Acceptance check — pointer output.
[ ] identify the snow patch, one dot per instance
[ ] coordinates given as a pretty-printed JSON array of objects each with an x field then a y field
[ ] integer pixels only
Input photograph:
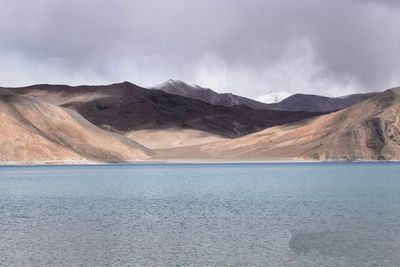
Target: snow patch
[{"x": 273, "y": 97}]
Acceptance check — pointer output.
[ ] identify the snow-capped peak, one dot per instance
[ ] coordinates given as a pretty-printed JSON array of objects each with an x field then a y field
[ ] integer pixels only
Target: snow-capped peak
[
  {"x": 170, "y": 82},
  {"x": 273, "y": 97}
]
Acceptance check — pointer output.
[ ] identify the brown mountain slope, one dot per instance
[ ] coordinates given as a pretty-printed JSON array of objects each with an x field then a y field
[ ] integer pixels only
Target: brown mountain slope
[
  {"x": 126, "y": 107},
  {"x": 35, "y": 131},
  {"x": 369, "y": 130},
  {"x": 174, "y": 137},
  {"x": 319, "y": 103}
]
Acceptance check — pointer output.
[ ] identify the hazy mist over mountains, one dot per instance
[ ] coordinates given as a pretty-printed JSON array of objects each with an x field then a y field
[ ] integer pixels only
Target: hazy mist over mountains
[{"x": 249, "y": 48}]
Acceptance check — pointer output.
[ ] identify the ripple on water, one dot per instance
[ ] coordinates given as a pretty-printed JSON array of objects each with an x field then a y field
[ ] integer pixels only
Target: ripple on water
[{"x": 201, "y": 215}]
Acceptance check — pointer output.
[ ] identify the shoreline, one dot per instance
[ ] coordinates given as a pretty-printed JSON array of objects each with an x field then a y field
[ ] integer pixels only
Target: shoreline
[{"x": 181, "y": 162}]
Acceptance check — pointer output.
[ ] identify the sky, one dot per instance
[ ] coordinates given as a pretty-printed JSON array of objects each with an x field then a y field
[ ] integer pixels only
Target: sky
[{"x": 254, "y": 48}]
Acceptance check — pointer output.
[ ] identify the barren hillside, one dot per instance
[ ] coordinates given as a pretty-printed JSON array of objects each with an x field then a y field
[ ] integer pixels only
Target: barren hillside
[
  {"x": 35, "y": 131},
  {"x": 369, "y": 130}
]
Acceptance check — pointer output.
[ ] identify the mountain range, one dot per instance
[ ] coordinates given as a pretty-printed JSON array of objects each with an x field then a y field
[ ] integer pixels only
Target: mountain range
[
  {"x": 126, "y": 107},
  {"x": 296, "y": 102},
  {"x": 369, "y": 130},
  {"x": 177, "y": 122}
]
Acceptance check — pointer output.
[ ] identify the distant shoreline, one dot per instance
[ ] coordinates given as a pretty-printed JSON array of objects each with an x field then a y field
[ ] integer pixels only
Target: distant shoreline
[{"x": 89, "y": 163}]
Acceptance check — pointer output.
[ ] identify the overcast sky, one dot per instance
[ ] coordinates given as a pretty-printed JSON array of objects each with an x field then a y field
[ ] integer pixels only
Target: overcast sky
[{"x": 248, "y": 47}]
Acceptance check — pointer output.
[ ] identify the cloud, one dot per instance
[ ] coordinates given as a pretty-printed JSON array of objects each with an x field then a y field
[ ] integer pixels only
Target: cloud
[{"x": 249, "y": 47}]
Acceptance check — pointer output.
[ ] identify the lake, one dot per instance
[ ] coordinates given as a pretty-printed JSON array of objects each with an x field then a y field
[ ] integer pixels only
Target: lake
[{"x": 303, "y": 214}]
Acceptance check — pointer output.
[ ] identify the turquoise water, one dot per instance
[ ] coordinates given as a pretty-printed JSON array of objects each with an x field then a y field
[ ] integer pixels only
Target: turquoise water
[{"x": 344, "y": 214}]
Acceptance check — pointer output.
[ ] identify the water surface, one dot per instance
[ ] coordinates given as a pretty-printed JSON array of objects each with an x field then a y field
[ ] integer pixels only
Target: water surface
[{"x": 344, "y": 214}]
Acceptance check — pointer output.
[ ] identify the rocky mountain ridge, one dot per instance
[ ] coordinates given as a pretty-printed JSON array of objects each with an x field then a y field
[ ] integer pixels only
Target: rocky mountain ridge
[{"x": 296, "y": 102}]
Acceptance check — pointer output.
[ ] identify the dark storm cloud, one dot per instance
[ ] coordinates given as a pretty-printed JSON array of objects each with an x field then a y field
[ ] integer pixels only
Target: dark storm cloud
[{"x": 246, "y": 46}]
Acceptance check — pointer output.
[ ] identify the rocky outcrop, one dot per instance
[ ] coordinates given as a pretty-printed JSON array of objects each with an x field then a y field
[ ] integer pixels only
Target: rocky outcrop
[{"x": 375, "y": 136}]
